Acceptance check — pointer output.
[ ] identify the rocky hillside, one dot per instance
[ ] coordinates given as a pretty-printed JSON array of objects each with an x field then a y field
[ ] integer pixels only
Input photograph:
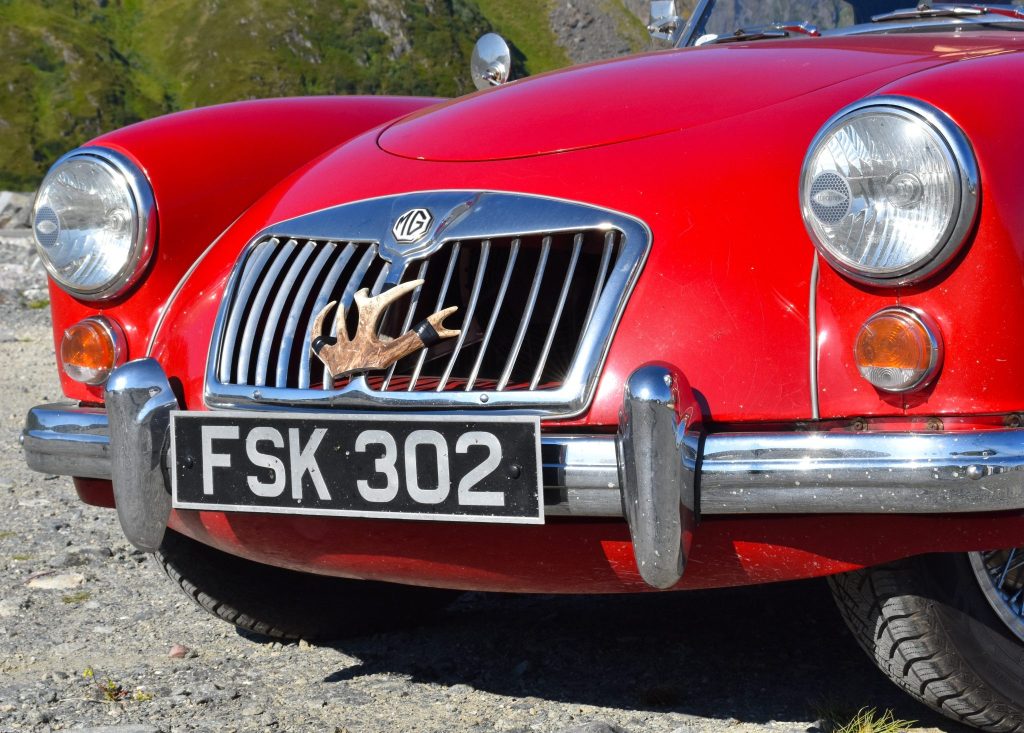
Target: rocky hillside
[{"x": 71, "y": 69}]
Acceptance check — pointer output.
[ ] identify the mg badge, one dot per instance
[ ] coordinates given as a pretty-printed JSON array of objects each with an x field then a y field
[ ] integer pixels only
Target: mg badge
[{"x": 412, "y": 225}]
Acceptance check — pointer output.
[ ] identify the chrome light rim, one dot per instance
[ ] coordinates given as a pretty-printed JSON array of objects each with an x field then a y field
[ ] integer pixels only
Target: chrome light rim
[
  {"x": 117, "y": 340},
  {"x": 143, "y": 206},
  {"x": 1000, "y": 575},
  {"x": 961, "y": 155},
  {"x": 934, "y": 334}
]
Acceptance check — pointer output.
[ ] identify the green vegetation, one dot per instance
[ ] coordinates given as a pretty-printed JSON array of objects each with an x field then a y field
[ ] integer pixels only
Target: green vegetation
[
  {"x": 630, "y": 27},
  {"x": 72, "y": 69},
  {"x": 839, "y": 719},
  {"x": 78, "y": 597},
  {"x": 525, "y": 24},
  {"x": 110, "y": 691}
]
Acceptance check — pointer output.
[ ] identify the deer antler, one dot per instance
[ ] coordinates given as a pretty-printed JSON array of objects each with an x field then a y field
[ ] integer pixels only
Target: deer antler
[{"x": 367, "y": 350}]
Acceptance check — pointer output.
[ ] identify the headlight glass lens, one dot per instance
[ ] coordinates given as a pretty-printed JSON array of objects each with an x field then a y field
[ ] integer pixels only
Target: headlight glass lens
[
  {"x": 882, "y": 193},
  {"x": 87, "y": 226}
]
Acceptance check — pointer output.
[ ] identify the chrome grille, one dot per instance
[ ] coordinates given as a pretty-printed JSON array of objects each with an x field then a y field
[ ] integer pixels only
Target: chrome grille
[{"x": 535, "y": 310}]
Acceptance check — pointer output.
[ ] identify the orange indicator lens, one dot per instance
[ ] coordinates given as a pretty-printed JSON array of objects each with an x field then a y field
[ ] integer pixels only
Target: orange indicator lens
[
  {"x": 90, "y": 350},
  {"x": 896, "y": 351}
]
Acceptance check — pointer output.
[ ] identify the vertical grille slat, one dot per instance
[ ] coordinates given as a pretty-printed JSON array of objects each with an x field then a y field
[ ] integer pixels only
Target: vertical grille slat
[
  {"x": 252, "y": 323},
  {"x": 284, "y": 292},
  {"x": 536, "y": 306},
  {"x": 322, "y": 298},
  {"x": 467, "y": 318},
  {"x": 414, "y": 300},
  {"x": 355, "y": 282},
  {"x": 285, "y": 357},
  {"x": 602, "y": 273},
  {"x": 452, "y": 260},
  {"x": 599, "y": 282},
  {"x": 577, "y": 246},
  {"x": 255, "y": 263},
  {"x": 524, "y": 322},
  {"x": 495, "y": 312},
  {"x": 382, "y": 276}
]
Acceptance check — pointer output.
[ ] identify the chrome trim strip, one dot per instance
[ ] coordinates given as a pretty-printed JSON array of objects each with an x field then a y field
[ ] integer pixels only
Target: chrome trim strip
[
  {"x": 556, "y": 317},
  {"x": 499, "y": 300},
  {"x": 812, "y": 324},
  {"x": 602, "y": 273},
  {"x": 740, "y": 473},
  {"x": 452, "y": 259},
  {"x": 254, "y": 320},
  {"x": 474, "y": 296},
  {"x": 240, "y": 297},
  {"x": 353, "y": 284},
  {"x": 471, "y": 215},
  {"x": 291, "y": 325},
  {"x": 273, "y": 316},
  {"x": 321, "y": 300},
  {"x": 414, "y": 300},
  {"x": 145, "y": 224},
  {"x": 524, "y": 322}
]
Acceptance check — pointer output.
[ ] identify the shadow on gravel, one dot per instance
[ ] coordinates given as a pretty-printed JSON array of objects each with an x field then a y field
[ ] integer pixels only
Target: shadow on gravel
[{"x": 776, "y": 652}]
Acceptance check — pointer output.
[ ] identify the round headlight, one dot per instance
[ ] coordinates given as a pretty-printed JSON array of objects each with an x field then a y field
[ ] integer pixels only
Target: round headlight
[
  {"x": 94, "y": 223},
  {"x": 889, "y": 190}
]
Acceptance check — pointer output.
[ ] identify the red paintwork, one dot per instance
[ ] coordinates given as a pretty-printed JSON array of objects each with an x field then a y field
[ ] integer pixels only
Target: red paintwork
[
  {"x": 615, "y": 101},
  {"x": 978, "y": 302},
  {"x": 709, "y": 148},
  {"x": 206, "y": 167}
]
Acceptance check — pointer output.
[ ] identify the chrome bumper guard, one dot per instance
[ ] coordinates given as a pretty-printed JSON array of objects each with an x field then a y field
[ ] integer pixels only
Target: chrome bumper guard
[{"x": 659, "y": 472}]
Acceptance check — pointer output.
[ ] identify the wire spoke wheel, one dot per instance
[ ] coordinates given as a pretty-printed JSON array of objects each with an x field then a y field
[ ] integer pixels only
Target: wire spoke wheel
[{"x": 1000, "y": 574}]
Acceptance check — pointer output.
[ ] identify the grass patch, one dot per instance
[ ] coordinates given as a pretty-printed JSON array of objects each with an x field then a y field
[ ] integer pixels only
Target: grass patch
[
  {"x": 6, "y": 535},
  {"x": 38, "y": 304},
  {"x": 21, "y": 558},
  {"x": 79, "y": 597},
  {"x": 839, "y": 719},
  {"x": 525, "y": 24}
]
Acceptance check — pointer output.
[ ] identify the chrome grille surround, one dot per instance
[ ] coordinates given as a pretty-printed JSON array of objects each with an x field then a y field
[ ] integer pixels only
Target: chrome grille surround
[{"x": 364, "y": 230}]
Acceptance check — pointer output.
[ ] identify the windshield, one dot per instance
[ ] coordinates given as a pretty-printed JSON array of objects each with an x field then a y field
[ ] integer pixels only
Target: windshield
[{"x": 725, "y": 17}]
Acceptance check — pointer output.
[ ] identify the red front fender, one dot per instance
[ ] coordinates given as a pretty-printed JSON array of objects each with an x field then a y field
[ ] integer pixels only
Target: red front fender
[{"x": 206, "y": 167}]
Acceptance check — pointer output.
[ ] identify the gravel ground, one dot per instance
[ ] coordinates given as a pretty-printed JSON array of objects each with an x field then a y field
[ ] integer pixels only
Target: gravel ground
[{"x": 76, "y": 601}]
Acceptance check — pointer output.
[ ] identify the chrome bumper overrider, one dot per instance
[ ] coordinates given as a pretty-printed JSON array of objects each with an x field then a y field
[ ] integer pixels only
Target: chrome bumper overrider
[{"x": 659, "y": 467}]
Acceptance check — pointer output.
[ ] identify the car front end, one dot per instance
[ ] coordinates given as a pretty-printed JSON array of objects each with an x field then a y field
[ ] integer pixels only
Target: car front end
[{"x": 663, "y": 322}]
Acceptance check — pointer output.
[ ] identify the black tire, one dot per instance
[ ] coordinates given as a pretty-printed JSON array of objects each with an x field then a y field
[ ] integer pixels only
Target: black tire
[
  {"x": 927, "y": 624},
  {"x": 288, "y": 605}
]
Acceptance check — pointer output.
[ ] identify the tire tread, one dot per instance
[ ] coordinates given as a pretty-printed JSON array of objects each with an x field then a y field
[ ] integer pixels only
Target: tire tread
[{"x": 895, "y": 621}]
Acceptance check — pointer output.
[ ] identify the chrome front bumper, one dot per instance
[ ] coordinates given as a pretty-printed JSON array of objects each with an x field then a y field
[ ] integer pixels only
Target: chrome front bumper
[{"x": 659, "y": 472}]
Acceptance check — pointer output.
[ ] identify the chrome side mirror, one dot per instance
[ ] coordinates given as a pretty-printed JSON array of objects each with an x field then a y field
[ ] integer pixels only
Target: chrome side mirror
[
  {"x": 666, "y": 24},
  {"x": 492, "y": 61}
]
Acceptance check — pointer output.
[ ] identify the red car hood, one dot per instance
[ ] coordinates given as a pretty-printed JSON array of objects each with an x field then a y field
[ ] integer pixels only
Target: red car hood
[{"x": 611, "y": 102}]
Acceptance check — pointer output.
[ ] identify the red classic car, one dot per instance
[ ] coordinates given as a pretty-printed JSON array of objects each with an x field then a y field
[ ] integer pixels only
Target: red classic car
[{"x": 745, "y": 310}]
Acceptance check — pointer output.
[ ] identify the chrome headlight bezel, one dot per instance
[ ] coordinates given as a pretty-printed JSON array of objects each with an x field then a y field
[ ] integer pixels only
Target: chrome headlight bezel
[
  {"x": 960, "y": 156},
  {"x": 143, "y": 212}
]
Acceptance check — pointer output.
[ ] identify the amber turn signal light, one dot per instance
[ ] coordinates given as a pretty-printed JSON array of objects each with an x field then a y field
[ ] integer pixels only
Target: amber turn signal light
[
  {"x": 898, "y": 349},
  {"x": 91, "y": 349}
]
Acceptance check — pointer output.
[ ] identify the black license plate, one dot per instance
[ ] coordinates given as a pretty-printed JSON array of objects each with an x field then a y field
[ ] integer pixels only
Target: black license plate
[{"x": 455, "y": 468}]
